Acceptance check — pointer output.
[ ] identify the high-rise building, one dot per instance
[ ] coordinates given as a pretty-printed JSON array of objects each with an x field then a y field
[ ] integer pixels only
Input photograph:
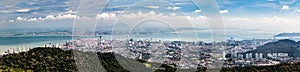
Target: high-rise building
[
  {"x": 274, "y": 54},
  {"x": 247, "y": 56},
  {"x": 256, "y": 55},
  {"x": 269, "y": 55},
  {"x": 240, "y": 56},
  {"x": 224, "y": 55},
  {"x": 14, "y": 51},
  {"x": 261, "y": 55},
  {"x": 250, "y": 55},
  {"x": 233, "y": 53}
]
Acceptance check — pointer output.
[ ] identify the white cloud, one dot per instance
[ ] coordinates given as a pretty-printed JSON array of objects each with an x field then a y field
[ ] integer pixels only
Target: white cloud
[
  {"x": 106, "y": 16},
  {"x": 173, "y": 8},
  {"x": 110, "y": 16},
  {"x": 66, "y": 16},
  {"x": 183, "y": 3},
  {"x": 174, "y": 19},
  {"x": 274, "y": 19},
  {"x": 8, "y": 6},
  {"x": 202, "y": 17},
  {"x": 32, "y": 19},
  {"x": 152, "y": 7},
  {"x": 239, "y": 19},
  {"x": 48, "y": 17},
  {"x": 197, "y": 11},
  {"x": 223, "y": 11},
  {"x": 21, "y": 19},
  {"x": 298, "y": 10},
  {"x": 172, "y": 14},
  {"x": 5, "y": 11},
  {"x": 59, "y": 17},
  {"x": 11, "y": 20},
  {"x": 71, "y": 11},
  {"x": 285, "y": 7},
  {"x": 264, "y": 20},
  {"x": 150, "y": 14},
  {"x": 23, "y": 10}
]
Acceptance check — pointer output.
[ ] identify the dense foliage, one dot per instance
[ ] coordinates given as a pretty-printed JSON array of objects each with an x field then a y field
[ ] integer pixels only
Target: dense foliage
[
  {"x": 54, "y": 59},
  {"x": 57, "y": 60},
  {"x": 275, "y": 68},
  {"x": 281, "y": 46},
  {"x": 40, "y": 60}
]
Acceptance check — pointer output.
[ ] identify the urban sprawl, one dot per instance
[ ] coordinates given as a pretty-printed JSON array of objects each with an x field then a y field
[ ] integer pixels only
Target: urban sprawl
[{"x": 181, "y": 53}]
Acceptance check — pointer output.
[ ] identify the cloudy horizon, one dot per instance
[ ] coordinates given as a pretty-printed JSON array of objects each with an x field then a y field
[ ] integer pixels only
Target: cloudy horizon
[{"x": 246, "y": 17}]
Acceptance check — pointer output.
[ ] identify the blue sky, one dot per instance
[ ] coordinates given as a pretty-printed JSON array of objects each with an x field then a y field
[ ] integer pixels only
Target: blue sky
[
  {"x": 260, "y": 16},
  {"x": 37, "y": 8}
]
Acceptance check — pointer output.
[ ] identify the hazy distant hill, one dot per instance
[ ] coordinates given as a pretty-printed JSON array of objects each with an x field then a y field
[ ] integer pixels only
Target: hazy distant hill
[
  {"x": 287, "y": 35},
  {"x": 281, "y": 46}
]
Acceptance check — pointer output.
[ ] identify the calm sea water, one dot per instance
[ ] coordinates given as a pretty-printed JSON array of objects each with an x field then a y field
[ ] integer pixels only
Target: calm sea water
[{"x": 30, "y": 41}]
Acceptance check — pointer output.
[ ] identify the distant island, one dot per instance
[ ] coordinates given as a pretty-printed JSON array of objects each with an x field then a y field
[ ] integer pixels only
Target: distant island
[{"x": 287, "y": 35}]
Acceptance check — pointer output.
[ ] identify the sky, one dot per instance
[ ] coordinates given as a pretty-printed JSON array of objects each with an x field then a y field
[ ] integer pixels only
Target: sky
[{"x": 249, "y": 17}]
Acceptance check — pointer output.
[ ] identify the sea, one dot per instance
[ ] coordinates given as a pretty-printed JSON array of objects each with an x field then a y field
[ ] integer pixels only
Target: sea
[{"x": 30, "y": 41}]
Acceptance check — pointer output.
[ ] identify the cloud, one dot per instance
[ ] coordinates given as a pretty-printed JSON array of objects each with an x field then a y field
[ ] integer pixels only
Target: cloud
[
  {"x": 287, "y": 1},
  {"x": 202, "y": 17},
  {"x": 23, "y": 10},
  {"x": 110, "y": 16},
  {"x": 5, "y": 11},
  {"x": 152, "y": 7},
  {"x": 153, "y": 14},
  {"x": 150, "y": 14},
  {"x": 173, "y": 8},
  {"x": 262, "y": 20},
  {"x": 11, "y": 20},
  {"x": 183, "y": 3},
  {"x": 71, "y": 11},
  {"x": 197, "y": 11},
  {"x": 172, "y": 14},
  {"x": 21, "y": 19},
  {"x": 296, "y": 11},
  {"x": 239, "y": 19},
  {"x": 274, "y": 19},
  {"x": 32, "y": 19},
  {"x": 59, "y": 17},
  {"x": 67, "y": 16},
  {"x": 285, "y": 7},
  {"x": 173, "y": 18},
  {"x": 224, "y": 11},
  {"x": 106, "y": 16},
  {"x": 48, "y": 17}
]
